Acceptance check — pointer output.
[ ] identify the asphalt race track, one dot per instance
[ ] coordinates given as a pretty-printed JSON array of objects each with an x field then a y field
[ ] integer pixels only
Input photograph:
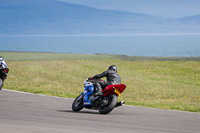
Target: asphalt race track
[{"x": 32, "y": 113}]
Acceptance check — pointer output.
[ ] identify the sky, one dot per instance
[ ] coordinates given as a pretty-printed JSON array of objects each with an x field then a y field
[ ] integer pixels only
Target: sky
[{"x": 164, "y": 8}]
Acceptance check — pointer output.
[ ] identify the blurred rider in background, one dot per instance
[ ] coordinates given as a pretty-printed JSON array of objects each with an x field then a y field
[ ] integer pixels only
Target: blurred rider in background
[{"x": 3, "y": 71}]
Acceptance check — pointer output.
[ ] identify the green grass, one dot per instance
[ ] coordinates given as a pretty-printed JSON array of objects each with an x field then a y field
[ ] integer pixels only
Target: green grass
[
  {"x": 150, "y": 82},
  {"x": 25, "y": 56}
]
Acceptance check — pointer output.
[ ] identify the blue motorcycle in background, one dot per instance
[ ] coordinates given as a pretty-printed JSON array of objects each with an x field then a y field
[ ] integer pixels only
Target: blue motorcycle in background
[{"x": 105, "y": 104}]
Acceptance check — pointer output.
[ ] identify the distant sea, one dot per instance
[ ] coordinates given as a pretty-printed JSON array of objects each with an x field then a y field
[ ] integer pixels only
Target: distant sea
[{"x": 131, "y": 45}]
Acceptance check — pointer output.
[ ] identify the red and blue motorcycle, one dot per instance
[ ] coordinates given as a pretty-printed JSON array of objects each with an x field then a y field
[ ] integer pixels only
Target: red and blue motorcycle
[{"x": 105, "y": 104}]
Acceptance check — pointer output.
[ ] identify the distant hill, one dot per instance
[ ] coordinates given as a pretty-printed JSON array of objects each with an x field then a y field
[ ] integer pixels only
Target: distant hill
[
  {"x": 31, "y": 17},
  {"x": 191, "y": 20}
]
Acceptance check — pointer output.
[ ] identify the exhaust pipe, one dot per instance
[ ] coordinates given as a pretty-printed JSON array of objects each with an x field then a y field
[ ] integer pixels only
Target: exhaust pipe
[{"x": 120, "y": 104}]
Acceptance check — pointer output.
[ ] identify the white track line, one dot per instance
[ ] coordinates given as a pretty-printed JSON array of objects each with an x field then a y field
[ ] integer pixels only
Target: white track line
[{"x": 35, "y": 94}]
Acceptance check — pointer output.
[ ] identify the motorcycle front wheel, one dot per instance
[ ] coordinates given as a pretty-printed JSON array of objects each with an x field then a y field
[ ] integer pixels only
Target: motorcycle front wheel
[
  {"x": 78, "y": 103},
  {"x": 1, "y": 83},
  {"x": 108, "y": 104}
]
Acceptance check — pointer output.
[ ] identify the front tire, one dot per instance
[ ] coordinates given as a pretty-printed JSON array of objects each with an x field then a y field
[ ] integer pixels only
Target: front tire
[
  {"x": 1, "y": 83},
  {"x": 78, "y": 103},
  {"x": 108, "y": 104}
]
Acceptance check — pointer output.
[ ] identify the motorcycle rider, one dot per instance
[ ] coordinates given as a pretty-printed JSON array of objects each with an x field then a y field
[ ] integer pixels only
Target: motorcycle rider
[{"x": 111, "y": 76}]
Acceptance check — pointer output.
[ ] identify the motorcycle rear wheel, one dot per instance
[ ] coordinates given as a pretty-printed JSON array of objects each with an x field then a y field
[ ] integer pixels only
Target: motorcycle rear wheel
[
  {"x": 108, "y": 104},
  {"x": 78, "y": 103}
]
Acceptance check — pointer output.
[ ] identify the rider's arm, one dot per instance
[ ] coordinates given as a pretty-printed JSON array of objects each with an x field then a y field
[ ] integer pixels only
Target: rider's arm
[{"x": 98, "y": 76}]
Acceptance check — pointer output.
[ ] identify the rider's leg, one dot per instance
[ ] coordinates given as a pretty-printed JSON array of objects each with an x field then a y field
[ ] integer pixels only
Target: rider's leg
[
  {"x": 103, "y": 84},
  {"x": 98, "y": 89}
]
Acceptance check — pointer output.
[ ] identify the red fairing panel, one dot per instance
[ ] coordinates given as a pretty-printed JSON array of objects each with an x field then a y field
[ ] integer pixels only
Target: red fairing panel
[{"x": 109, "y": 89}]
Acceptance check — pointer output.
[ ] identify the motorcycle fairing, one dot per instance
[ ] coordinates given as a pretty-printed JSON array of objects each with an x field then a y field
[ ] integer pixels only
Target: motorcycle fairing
[
  {"x": 117, "y": 88},
  {"x": 88, "y": 91},
  {"x": 3, "y": 64}
]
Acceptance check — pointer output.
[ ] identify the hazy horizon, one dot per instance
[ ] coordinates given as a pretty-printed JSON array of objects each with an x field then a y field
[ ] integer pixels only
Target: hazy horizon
[
  {"x": 54, "y": 17},
  {"x": 169, "y": 9}
]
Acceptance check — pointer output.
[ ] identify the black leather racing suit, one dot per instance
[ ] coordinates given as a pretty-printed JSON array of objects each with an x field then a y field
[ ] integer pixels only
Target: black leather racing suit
[{"x": 112, "y": 78}]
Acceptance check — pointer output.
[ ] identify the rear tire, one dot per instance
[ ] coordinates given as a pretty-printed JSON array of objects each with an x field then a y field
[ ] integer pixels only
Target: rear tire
[
  {"x": 112, "y": 101},
  {"x": 78, "y": 103}
]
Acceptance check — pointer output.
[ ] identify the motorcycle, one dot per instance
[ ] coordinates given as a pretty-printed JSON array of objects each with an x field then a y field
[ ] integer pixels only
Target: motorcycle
[
  {"x": 3, "y": 71},
  {"x": 105, "y": 104}
]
